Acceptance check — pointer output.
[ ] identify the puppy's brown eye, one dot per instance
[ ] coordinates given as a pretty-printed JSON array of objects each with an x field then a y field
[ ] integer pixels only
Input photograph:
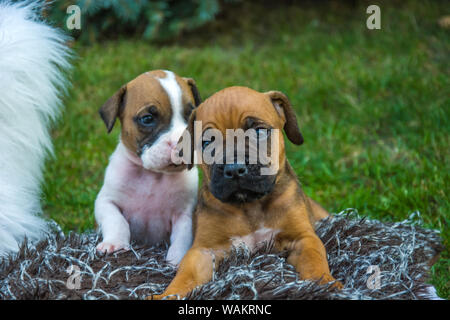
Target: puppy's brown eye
[{"x": 147, "y": 120}]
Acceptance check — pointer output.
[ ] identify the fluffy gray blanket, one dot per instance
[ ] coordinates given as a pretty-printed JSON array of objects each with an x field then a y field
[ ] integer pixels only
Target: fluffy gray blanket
[{"x": 373, "y": 260}]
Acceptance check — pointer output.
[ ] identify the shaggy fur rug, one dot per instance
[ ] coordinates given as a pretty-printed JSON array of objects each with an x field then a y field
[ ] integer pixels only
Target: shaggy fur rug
[{"x": 68, "y": 267}]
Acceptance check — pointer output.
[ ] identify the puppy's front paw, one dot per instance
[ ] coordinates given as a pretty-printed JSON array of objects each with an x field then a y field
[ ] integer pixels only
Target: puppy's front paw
[
  {"x": 163, "y": 296},
  {"x": 174, "y": 255},
  {"x": 329, "y": 278},
  {"x": 112, "y": 246}
]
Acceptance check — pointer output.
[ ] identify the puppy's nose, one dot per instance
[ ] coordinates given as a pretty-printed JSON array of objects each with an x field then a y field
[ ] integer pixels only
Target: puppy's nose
[{"x": 234, "y": 170}]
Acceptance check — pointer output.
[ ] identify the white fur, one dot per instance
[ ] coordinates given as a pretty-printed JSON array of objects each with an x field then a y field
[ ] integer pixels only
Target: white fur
[
  {"x": 140, "y": 201},
  {"x": 158, "y": 155},
  {"x": 32, "y": 55},
  {"x": 135, "y": 203}
]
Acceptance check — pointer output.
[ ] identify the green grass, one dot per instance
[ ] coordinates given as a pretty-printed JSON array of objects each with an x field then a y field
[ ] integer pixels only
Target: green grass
[{"x": 373, "y": 106}]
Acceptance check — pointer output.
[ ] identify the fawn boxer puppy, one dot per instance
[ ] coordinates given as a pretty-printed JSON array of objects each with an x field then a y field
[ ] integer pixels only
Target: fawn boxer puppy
[
  {"x": 145, "y": 196},
  {"x": 238, "y": 204}
]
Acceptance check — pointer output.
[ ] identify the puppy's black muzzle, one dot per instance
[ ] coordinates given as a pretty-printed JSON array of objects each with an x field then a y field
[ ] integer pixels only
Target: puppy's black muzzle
[{"x": 239, "y": 182}]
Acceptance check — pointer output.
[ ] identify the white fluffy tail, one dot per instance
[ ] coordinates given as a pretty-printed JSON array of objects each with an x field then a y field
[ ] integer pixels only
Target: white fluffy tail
[{"x": 33, "y": 58}]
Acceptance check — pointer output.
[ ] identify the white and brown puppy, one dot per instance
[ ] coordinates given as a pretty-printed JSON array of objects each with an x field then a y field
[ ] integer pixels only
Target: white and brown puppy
[{"x": 145, "y": 196}]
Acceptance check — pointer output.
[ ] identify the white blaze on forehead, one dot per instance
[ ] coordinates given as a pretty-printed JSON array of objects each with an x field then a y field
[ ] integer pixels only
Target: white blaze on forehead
[
  {"x": 173, "y": 90},
  {"x": 158, "y": 155}
]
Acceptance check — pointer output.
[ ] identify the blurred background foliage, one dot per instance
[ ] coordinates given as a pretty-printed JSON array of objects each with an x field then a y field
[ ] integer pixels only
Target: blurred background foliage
[{"x": 152, "y": 19}]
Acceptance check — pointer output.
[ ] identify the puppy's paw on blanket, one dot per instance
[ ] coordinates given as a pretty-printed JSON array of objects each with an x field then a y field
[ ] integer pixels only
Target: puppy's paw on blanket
[
  {"x": 327, "y": 278},
  {"x": 112, "y": 246},
  {"x": 163, "y": 297},
  {"x": 175, "y": 254}
]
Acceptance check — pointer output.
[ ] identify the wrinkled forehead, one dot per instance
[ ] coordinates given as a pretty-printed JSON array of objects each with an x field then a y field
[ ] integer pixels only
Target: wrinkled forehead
[
  {"x": 231, "y": 107},
  {"x": 162, "y": 89}
]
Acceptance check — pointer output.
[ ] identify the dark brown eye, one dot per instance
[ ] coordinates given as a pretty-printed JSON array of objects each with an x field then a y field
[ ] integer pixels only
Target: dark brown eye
[{"x": 147, "y": 121}]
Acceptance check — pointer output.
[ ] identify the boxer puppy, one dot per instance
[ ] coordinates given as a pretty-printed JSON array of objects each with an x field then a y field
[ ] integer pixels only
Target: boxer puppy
[
  {"x": 237, "y": 204},
  {"x": 145, "y": 196}
]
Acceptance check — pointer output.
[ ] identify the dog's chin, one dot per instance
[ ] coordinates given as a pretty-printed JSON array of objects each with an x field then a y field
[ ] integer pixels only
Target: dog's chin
[
  {"x": 174, "y": 168},
  {"x": 170, "y": 168},
  {"x": 241, "y": 196}
]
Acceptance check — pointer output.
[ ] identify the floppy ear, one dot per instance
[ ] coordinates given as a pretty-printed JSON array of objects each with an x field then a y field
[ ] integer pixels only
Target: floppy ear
[
  {"x": 190, "y": 129},
  {"x": 194, "y": 90},
  {"x": 284, "y": 109},
  {"x": 111, "y": 108}
]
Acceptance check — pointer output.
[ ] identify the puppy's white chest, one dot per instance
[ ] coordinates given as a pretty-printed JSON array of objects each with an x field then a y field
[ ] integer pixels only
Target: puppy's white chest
[
  {"x": 256, "y": 239},
  {"x": 150, "y": 202},
  {"x": 152, "y": 206}
]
